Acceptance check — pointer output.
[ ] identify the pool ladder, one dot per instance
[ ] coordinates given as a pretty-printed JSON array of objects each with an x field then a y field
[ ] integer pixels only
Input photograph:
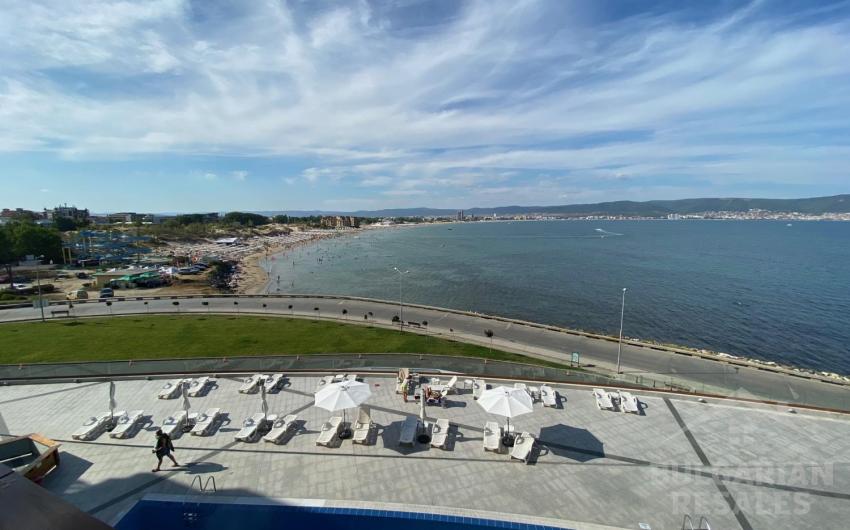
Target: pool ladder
[
  {"x": 688, "y": 523},
  {"x": 192, "y": 516}
]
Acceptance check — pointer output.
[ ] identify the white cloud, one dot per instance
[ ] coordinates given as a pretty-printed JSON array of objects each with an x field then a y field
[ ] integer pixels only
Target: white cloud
[
  {"x": 312, "y": 174},
  {"x": 239, "y": 175},
  {"x": 370, "y": 182},
  {"x": 403, "y": 193},
  {"x": 482, "y": 99},
  {"x": 333, "y": 29}
]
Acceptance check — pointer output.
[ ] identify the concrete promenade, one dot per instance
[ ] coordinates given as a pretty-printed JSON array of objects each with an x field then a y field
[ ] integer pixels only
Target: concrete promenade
[
  {"x": 742, "y": 465},
  {"x": 638, "y": 362}
]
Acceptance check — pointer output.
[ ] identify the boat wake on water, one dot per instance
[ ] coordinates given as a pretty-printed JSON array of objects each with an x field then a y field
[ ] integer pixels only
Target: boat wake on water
[{"x": 604, "y": 233}]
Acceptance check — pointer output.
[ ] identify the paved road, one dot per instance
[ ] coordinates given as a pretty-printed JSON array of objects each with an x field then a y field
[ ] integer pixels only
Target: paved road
[{"x": 651, "y": 364}]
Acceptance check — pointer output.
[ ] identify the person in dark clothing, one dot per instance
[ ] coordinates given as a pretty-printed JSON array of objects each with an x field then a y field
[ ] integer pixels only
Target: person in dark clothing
[{"x": 164, "y": 448}]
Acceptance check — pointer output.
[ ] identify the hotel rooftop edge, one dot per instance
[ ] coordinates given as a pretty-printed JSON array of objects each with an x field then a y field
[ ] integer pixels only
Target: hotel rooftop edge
[{"x": 742, "y": 465}]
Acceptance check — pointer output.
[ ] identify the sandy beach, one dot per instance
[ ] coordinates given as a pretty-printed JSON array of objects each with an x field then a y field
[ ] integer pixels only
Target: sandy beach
[
  {"x": 248, "y": 253},
  {"x": 252, "y": 275}
]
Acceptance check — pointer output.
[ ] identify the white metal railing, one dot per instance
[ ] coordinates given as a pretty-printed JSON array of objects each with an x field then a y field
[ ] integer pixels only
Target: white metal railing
[{"x": 192, "y": 515}]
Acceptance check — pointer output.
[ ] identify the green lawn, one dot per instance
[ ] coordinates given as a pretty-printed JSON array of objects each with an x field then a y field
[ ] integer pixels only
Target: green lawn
[
  {"x": 150, "y": 337},
  {"x": 26, "y": 300}
]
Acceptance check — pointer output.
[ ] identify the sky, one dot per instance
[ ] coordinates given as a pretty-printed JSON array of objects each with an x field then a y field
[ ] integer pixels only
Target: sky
[{"x": 270, "y": 105}]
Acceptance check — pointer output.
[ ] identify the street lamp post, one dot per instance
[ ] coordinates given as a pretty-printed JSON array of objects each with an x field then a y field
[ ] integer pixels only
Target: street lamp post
[
  {"x": 400, "y": 303},
  {"x": 620, "y": 343},
  {"x": 38, "y": 282}
]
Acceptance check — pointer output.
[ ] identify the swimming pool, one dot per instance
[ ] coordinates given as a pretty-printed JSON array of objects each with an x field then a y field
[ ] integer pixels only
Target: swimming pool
[{"x": 176, "y": 514}]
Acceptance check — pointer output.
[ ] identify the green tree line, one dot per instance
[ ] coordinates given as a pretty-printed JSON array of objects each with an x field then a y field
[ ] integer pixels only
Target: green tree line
[
  {"x": 20, "y": 239},
  {"x": 245, "y": 219}
]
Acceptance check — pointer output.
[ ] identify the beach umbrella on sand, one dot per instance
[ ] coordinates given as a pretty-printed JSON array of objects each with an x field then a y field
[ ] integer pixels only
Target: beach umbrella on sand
[
  {"x": 265, "y": 404},
  {"x": 506, "y": 401},
  {"x": 112, "y": 404},
  {"x": 342, "y": 396}
]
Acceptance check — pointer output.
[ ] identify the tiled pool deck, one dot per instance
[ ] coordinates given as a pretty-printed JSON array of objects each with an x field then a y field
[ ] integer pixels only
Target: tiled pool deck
[{"x": 741, "y": 465}]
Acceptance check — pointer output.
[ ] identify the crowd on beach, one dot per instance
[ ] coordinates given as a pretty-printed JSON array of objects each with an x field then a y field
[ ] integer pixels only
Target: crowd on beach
[{"x": 244, "y": 254}]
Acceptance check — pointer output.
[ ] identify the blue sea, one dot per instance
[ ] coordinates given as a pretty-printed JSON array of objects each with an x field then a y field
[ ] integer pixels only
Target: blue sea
[{"x": 765, "y": 289}]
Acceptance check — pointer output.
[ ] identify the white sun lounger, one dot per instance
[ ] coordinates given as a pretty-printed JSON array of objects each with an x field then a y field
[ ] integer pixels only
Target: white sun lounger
[
  {"x": 548, "y": 396},
  {"x": 281, "y": 428},
  {"x": 95, "y": 425},
  {"x": 273, "y": 382},
  {"x": 171, "y": 389},
  {"x": 363, "y": 425},
  {"x": 409, "y": 429},
  {"x": 326, "y": 380},
  {"x": 449, "y": 387},
  {"x": 440, "y": 433},
  {"x": 125, "y": 423},
  {"x": 350, "y": 377},
  {"x": 522, "y": 386},
  {"x": 523, "y": 444},
  {"x": 196, "y": 386},
  {"x": 205, "y": 422},
  {"x": 252, "y": 426},
  {"x": 478, "y": 388},
  {"x": 629, "y": 403},
  {"x": 603, "y": 400},
  {"x": 492, "y": 436},
  {"x": 175, "y": 423},
  {"x": 252, "y": 384},
  {"x": 330, "y": 430}
]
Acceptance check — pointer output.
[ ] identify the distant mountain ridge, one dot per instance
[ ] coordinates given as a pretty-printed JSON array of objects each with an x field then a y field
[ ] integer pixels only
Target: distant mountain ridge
[{"x": 812, "y": 206}]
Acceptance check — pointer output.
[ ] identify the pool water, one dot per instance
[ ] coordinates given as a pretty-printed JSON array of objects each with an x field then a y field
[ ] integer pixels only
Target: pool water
[{"x": 174, "y": 515}]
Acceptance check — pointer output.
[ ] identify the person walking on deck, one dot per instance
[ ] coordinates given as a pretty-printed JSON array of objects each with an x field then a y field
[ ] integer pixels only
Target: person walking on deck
[{"x": 163, "y": 448}]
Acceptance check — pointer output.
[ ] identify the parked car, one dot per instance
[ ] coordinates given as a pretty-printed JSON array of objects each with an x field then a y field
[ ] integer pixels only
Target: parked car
[
  {"x": 82, "y": 275},
  {"x": 107, "y": 292},
  {"x": 187, "y": 270},
  {"x": 79, "y": 294}
]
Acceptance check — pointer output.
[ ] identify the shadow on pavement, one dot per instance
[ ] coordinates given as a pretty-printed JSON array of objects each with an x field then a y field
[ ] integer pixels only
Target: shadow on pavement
[{"x": 571, "y": 442}]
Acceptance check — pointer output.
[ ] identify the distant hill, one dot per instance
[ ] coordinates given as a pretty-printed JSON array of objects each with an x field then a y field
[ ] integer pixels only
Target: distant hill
[{"x": 814, "y": 206}]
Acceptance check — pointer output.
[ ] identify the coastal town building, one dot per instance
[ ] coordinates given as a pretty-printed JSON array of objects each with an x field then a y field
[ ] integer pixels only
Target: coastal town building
[
  {"x": 148, "y": 218},
  {"x": 340, "y": 221},
  {"x": 67, "y": 212},
  {"x": 124, "y": 217},
  {"x": 19, "y": 213}
]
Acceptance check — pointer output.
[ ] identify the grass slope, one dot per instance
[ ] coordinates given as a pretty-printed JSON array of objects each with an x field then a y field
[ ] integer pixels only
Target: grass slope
[{"x": 156, "y": 337}]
